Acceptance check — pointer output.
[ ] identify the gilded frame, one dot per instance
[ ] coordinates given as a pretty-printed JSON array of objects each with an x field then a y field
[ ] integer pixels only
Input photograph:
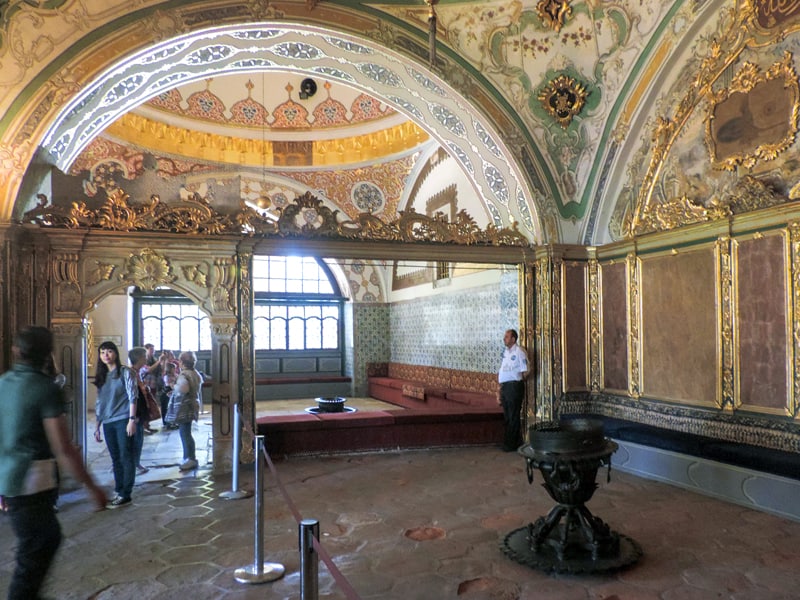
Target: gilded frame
[{"x": 739, "y": 129}]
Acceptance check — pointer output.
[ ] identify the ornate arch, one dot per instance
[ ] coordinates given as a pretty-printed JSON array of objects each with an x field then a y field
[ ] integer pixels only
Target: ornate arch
[{"x": 66, "y": 126}]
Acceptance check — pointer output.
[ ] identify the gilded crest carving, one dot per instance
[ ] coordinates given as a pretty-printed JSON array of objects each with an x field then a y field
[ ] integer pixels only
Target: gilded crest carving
[
  {"x": 554, "y": 13},
  {"x": 755, "y": 117},
  {"x": 682, "y": 211},
  {"x": 563, "y": 98},
  {"x": 147, "y": 270},
  {"x": 306, "y": 216}
]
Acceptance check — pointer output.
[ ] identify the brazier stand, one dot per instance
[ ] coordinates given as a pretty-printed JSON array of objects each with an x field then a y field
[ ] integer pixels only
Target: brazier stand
[{"x": 569, "y": 539}]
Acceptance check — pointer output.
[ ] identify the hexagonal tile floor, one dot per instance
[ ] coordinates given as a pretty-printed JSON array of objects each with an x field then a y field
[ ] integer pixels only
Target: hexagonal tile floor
[{"x": 417, "y": 525}]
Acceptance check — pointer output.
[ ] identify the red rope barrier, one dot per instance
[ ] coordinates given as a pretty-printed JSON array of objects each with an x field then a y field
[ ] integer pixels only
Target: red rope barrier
[{"x": 340, "y": 579}]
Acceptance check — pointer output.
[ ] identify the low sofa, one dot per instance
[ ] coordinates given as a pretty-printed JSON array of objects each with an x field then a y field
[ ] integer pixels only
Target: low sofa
[{"x": 415, "y": 386}]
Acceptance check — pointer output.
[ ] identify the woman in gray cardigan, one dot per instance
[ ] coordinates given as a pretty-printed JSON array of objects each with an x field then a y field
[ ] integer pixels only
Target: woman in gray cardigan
[
  {"x": 115, "y": 410},
  {"x": 184, "y": 406}
]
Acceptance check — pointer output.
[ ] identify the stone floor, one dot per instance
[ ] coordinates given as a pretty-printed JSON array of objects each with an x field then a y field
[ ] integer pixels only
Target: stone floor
[{"x": 421, "y": 525}]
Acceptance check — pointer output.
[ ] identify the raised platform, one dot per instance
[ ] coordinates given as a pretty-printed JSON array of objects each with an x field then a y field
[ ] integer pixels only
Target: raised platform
[{"x": 325, "y": 433}]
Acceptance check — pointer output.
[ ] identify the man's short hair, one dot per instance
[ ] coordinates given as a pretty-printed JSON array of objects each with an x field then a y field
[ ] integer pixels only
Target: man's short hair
[
  {"x": 136, "y": 354},
  {"x": 513, "y": 333},
  {"x": 34, "y": 344}
]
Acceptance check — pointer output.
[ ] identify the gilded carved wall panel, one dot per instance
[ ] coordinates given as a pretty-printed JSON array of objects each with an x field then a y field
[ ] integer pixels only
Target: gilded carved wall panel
[{"x": 741, "y": 103}]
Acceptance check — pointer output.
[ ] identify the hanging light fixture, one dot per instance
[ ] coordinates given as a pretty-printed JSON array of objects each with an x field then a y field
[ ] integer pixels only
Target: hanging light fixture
[{"x": 432, "y": 30}]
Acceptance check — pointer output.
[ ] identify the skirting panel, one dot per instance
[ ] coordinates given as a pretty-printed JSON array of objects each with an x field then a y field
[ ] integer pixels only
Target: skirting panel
[{"x": 756, "y": 490}]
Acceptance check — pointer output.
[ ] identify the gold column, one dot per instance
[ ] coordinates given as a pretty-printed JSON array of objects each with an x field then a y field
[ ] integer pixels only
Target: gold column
[
  {"x": 634, "y": 326},
  {"x": 557, "y": 334},
  {"x": 595, "y": 332},
  {"x": 727, "y": 396},
  {"x": 224, "y": 388},
  {"x": 247, "y": 351},
  {"x": 527, "y": 298},
  {"x": 544, "y": 338},
  {"x": 794, "y": 318}
]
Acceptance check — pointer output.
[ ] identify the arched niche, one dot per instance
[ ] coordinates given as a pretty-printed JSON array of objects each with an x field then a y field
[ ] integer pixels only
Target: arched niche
[
  {"x": 88, "y": 260},
  {"x": 89, "y": 265}
]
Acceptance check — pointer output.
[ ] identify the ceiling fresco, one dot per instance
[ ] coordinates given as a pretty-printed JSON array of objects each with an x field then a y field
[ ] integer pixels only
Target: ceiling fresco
[{"x": 578, "y": 121}]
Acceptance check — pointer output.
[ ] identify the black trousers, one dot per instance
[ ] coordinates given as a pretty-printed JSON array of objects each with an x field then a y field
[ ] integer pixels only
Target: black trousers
[
  {"x": 512, "y": 393},
  {"x": 34, "y": 522}
]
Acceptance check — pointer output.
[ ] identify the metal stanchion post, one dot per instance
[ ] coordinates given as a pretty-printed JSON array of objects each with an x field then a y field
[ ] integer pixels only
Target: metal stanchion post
[
  {"x": 235, "y": 493},
  {"x": 259, "y": 571},
  {"x": 309, "y": 561}
]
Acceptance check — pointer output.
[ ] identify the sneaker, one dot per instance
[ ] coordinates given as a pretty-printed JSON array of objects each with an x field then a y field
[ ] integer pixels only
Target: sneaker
[
  {"x": 188, "y": 465},
  {"x": 140, "y": 470},
  {"x": 118, "y": 501}
]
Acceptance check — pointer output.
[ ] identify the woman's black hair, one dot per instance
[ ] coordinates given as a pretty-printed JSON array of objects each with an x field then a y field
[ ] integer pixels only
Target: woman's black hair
[{"x": 102, "y": 369}]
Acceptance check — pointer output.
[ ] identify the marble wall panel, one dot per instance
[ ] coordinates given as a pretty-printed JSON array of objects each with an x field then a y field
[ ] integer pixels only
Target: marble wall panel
[
  {"x": 762, "y": 325},
  {"x": 575, "y": 372},
  {"x": 680, "y": 359},
  {"x": 615, "y": 326}
]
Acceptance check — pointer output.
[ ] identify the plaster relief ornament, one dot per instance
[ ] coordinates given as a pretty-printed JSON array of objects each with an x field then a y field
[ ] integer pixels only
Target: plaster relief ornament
[
  {"x": 148, "y": 270},
  {"x": 563, "y": 98},
  {"x": 100, "y": 272},
  {"x": 554, "y": 13}
]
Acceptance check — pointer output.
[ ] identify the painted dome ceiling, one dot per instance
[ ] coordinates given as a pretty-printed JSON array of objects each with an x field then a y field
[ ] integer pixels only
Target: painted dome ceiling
[{"x": 578, "y": 122}]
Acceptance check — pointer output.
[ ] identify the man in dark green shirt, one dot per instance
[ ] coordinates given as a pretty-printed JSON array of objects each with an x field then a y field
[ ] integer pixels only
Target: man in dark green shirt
[{"x": 33, "y": 438}]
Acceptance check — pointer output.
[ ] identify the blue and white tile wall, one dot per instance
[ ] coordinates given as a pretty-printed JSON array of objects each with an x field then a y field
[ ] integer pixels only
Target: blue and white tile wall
[
  {"x": 370, "y": 341},
  {"x": 458, "y": 330},
  {"x": 461, "y": 330}
]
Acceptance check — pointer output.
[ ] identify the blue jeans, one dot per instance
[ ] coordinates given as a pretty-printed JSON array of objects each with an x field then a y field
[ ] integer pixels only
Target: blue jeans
[
  {"x": 185, "y": 429},
  {"x": 138, "y": 443},
  {"x": 33, "y": 520},
  {"x": 122, "y": 449}
]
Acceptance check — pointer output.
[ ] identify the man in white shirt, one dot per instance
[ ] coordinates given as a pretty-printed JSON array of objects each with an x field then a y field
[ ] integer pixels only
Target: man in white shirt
[{"x": 513, "y": 371}]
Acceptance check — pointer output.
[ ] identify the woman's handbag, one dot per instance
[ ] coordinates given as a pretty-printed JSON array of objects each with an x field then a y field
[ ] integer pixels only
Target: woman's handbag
[
  {"x": 153, "y": 411},
  {"x": 149, "y": 407},
  {"x": 175, "y": 401}
]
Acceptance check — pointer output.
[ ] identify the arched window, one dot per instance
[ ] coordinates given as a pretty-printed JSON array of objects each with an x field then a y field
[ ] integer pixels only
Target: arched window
[
  {"x": 298, "y": 306},
  {"x": 170, "y": 321}
]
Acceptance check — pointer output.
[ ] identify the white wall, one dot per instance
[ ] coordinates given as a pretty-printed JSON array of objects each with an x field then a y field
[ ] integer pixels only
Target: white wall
[{"x": 110, "y": 320}]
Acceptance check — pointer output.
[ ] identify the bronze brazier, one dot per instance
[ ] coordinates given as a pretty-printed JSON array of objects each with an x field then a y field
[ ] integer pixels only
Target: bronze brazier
[{"x": 569, "y": 539}]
